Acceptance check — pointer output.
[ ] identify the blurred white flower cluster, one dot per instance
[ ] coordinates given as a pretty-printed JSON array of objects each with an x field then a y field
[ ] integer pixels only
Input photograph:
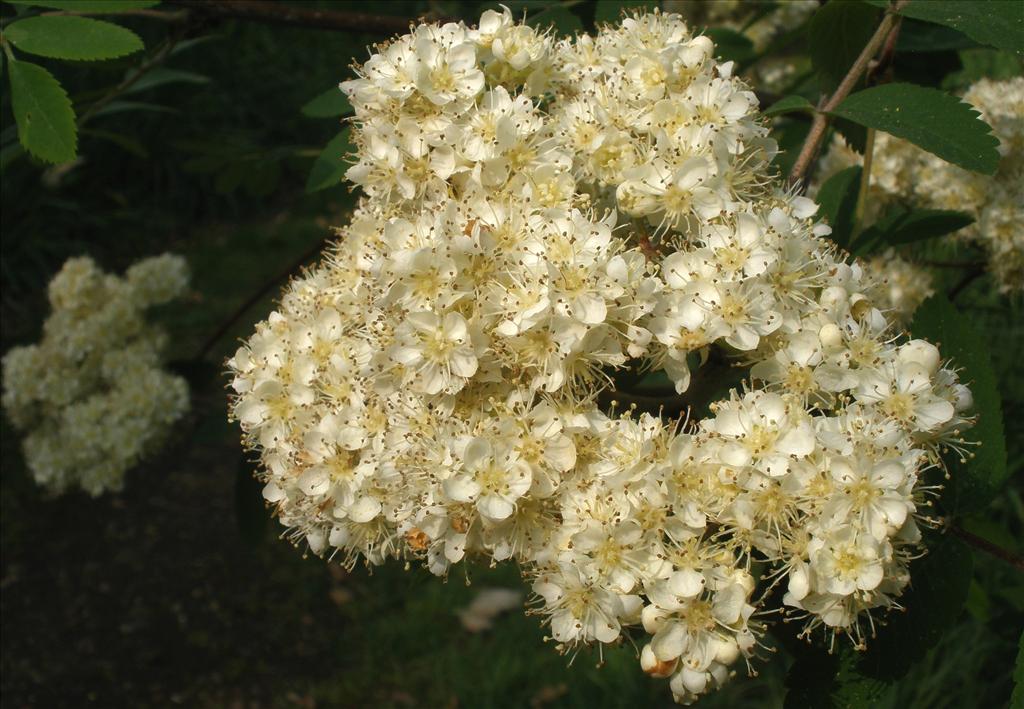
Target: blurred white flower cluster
[
  {"x": 539, "y": 213},
  {"x": 902, "y": 172},
  {"x": 901, "y": 286},
  {"x": 91, "y": 397}
]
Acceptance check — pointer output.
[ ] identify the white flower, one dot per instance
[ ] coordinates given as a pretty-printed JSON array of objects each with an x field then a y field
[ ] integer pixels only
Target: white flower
[
  {"x": 436, "y": 351},
  {"x": 848, "y": 562},
  {"x": 493, "y": 479}
]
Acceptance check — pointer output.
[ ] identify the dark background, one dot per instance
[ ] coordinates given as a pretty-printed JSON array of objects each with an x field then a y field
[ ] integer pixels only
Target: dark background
[{"x": 178, "y": 591}]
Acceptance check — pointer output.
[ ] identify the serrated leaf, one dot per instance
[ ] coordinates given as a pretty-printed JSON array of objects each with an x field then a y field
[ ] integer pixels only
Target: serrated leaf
[
  {"x": 90, "y": 6},
  {"x": 822, "y": 681},
  {"x": 839, "y": 31},
  {"x": 74, "y": 38},
  {"x": 918, "y": 36},
  {"x": 976, "y": 480},
  {"x": 933, "y": 120},
  {"x": 161, "y": 77},
  {"x": 42, "y": 110},
  {"x": 790, "y": 104},
  {"x": 838, "y": 200},
  {"x": 854, "y": 135},
  {"x": 329, "y": 168},
  {"x": 939, "y": 582},
  {"x": 731, "y": 46},
  {"x": 905, "y": 227},
  {"x": 330, "y": 103},
  {"x": 997, "y": 23}
]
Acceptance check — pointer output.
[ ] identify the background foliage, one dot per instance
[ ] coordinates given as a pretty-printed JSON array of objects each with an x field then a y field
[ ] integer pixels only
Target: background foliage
[{"x": 178, "y": 591}]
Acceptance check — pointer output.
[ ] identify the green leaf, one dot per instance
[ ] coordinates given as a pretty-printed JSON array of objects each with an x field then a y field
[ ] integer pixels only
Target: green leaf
[
  {"x": 854, "y": 135},
  {"x": 329, "y": 168},
  {"x": 933, "y": 120},
  {"x": 586, "y": 12},
  {"x": 818, "y": 679},
  {"x": 838, "y": 200},
  {"x": 42, "y": 110},
  {"x": 90, "y": 6},
  {"x": 976, "y": 480},
  {"x": 330, "y": 103},
  {"x": 127, "y": 106},
  {"x": 905, "y": 227},
  {"x": 558, "y": 16},
  {"x": 839, "y": 31},
  {"x": 938, "y": 590},
  {"x": 982, "y": 63},
  {"x": 68, "y": 37},
  {"x": 126, "y": 143},
  {"x": 978, "y": 604},
  {"x": 160, "y": 77},
  {"x": 731, "y": 46},
  {"x": 933, "y": 601},
  {"x": 997, "y": 23},
  {"x": 918, "y": 36},
  {"x": 790, "y": 104}
]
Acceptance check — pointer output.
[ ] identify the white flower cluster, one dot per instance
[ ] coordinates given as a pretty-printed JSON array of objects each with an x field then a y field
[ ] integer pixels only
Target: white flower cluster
[
  {"x": 429, "y": 391},
  {"x": 901, "y": 285},
  {"x": 902, "y": 172},
  {"x": 91, "y": 397}
]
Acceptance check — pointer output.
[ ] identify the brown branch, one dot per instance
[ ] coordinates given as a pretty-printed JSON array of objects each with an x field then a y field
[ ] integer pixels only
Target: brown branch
[
  {"x": 1014, "y": 560},
  {"x": 174, "y": 17},
  {"x": 257, "y": 297},
  {"x": 288, "y": 13},
  {"x": 818, "y": 127}
]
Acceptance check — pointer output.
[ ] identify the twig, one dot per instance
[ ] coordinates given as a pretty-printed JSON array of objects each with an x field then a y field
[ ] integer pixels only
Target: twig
[
  {"x": 865, "y": 183},
  {"x": 257, "y": 297},
  {"x": 175, "y": 16},
  {"x": 820, "y": 123},
  {"x": 1014, "y": 560},
  {"x": 281, "y": 13}
]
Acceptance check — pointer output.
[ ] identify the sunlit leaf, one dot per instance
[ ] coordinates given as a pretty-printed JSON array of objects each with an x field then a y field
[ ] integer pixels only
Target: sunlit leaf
[
  {"x": 42, "y": 110},
  {"x": 68, "y": 37},
  {"x": 933, "y": 120}
]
